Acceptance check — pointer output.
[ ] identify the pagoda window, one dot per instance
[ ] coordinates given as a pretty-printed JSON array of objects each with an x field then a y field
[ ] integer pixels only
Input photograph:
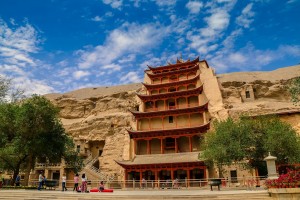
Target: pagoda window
[
  {"x": 171, "y": 119},
  {"x": 171, "y": 104},
  {"x": 160, "y": 105},
  {"x": 149, "y": 104},
  {"x": 170, "y": 143},
  {"x": 163, "y": 90},
  {"x": 193, "y": 101},
  {"x": 182, "y": 77},
  {"x": 182, "y": 88},
  {"x": 172, "y": 89},
  {"x": 181, "y": 102},
  {"x": 156, "y": 81},
  {"x": 154, "y": 92},
  {"x": 191, "y": 86},
  {"x": 191, "y": 75},
  {"x": 164, "y": 79},
  {"x": 173, "y": 79}
]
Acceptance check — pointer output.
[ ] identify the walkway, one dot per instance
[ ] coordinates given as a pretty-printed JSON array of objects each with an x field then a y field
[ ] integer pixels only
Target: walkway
[{"x": 136, "y": 195}]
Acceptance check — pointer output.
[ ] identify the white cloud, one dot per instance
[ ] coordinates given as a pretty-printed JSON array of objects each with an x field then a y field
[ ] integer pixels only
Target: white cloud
[
  {"x": 166, "y": 2},
  {"x": 194, "y": 6},
  {"x": 97, "y": 19},
  {"x": 117, "y": 4},
  {"x": 218, "y": 20},
  {"x": 16, "y": 44},
  {"x": 128, "y": 39},
  {"x": 79, "y": 74},
  {"x": 130, "y": 77},
  {"x": 237, "y": 58},
  {"x": 249, "y": 58},
  {"x": 246, "y": 18},
  {"x": 113, "y": 67},
  {"x": 32, "y": 86}
]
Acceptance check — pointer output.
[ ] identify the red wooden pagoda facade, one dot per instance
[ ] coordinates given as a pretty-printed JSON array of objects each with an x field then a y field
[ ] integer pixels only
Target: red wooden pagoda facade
[{"x": 170, "y": 123}]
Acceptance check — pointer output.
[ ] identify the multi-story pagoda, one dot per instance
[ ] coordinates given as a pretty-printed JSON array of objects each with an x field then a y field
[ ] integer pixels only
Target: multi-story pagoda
[{"x": 170, "y": 123}]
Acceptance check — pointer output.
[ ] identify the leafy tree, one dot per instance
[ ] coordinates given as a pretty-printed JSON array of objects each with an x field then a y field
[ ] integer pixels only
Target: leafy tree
[
  {"x": 31, "y": 130},
  {"x": 248, "y": 140},
  {"x": 295, "y": 90}
]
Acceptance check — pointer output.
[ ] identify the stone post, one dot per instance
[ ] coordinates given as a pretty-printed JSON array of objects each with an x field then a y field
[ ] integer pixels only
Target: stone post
[{"x": 271, "y": 166}]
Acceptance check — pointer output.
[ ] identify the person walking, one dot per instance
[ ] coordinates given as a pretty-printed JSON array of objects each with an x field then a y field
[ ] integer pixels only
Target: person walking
[
  {"x": 18, "y": 179},
  {"x": 83, "y": 183},
  {"x": 76, "y": 180},
  {"x": 41, "y": 179},
  {"x": 64, "y": 180}
]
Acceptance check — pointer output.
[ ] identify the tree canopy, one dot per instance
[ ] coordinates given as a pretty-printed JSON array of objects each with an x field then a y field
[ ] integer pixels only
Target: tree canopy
[
  {"x": 248, "y": 140},
  {"x": 295, "y": 90},
  {"x": 31, "y": 130}
]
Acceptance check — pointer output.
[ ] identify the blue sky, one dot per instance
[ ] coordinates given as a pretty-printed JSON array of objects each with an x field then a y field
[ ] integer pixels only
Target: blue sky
[{"x": 61, "y": 45}]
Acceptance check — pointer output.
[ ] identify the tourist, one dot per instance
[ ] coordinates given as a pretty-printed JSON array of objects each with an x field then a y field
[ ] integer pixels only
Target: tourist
[
  {"x": 176, "y": 183},
  {"x": 83, "y": 183},
  {"x": 76, "y": 179},
  {"x": 18, "y": 179},
  {"x": 64, "y": 180},
  {"x": 143, "y": 183},
  {"x": 101, "y": 186},
  {"x": 41, "y": 179}
]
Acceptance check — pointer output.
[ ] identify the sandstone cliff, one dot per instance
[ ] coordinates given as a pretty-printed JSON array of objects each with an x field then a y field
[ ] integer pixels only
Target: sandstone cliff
[{"x": 102, "y": 113}]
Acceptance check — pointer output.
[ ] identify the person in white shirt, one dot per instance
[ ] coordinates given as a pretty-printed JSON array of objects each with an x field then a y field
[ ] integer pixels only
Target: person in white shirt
[{"x": 64, "y": 180}]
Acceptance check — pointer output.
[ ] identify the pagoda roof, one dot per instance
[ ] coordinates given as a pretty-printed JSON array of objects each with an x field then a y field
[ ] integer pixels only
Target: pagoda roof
[
  {"x": 170, "y": 132},
  {"x": 175, "y": 83},
  {"x": 172, "y": 66},
  {"x": 180, "y": 71},
  {"x": 196, "y": 109},
  {"x": 172, "y": 158},
  {"x": 195, "y": 91}
]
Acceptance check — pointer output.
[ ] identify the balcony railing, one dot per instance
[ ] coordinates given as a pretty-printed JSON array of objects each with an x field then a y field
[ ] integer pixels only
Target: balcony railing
[{"x": 153, "y": 109}]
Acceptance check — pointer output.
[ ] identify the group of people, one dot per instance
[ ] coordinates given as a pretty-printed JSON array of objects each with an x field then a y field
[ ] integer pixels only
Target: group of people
[{"x": 83, "y": 187}]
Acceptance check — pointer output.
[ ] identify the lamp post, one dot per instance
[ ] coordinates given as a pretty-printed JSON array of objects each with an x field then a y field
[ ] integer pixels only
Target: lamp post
[{"x": 271, "y": 166}]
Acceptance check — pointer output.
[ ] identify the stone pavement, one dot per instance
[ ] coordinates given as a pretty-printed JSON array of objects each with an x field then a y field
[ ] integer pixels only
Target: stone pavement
[{"x": 136, "y": 195}]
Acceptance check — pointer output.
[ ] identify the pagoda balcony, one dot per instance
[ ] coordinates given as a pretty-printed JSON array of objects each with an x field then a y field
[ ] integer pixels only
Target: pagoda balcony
[
  {"x": 168, "y": 95},
  {"x": 170, "y": 73},
  {"x": 189, "y": 130},
  {"x": 171, "y": 82},
  {"x": 152, "y": 109},
  {"x": 171, "y": 67}
]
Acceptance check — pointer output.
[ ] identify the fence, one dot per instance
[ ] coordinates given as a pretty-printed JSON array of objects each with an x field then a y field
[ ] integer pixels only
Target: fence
[{"x": 239, "y": 182}]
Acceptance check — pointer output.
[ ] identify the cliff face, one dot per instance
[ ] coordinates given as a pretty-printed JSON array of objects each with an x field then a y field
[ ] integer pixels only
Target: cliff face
[
  {"x": 267, "y": 93},
  {"x": 98, "y": 117}
]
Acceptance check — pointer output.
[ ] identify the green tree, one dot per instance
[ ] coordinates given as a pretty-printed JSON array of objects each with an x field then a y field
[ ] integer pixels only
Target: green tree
[
  {"x": 295, "y": 90},
  {"x": 248, "y": 140},
  {"x": 31, "y": 130}
]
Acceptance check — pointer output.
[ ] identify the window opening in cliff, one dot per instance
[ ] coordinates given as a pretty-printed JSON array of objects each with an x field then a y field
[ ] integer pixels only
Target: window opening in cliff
[
  {"x": 137, "y": 108},
  {"x": 247, "y": 94},
  {"x": 100, "y": 152},
  {"x": 171, "y": 119},
  {"x": 78, "y": 148}
]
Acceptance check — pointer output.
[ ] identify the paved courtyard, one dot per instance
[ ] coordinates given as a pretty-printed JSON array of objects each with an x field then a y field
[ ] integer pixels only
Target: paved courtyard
[{"x": 135, "y": 194}]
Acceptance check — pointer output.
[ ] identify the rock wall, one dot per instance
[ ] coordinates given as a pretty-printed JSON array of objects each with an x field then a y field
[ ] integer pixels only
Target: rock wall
[{"x": 102, "y": 113}]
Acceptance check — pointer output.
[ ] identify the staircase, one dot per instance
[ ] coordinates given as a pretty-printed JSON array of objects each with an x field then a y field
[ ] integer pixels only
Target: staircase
[{"x": 93, "y": 172}]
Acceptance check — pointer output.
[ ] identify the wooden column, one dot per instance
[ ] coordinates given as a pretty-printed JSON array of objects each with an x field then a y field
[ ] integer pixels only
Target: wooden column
[
  {"x": 137, "y": 124},
  {"x": 161, "y": 146},
  {"x": 189, "y": 120},
  {"x": 176, "y": 147},
  {"x": 165, "y": 104},
  {"x": 172, "y": 174},
  {"x": 163, "y": 123},
  {"x": 156, "y": 177},
  {"x": 149, "y": 124},
  {"x": 188, "y": 177},
  {"x": 190, "y": 143},
  {"x": 148, "y": 147},
  {"x": 134, "y": 146}
]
